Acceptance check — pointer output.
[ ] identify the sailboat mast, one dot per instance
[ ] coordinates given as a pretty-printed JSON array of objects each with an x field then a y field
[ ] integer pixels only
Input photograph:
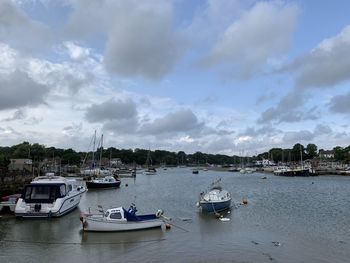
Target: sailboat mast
[
  {"x": 101, "y": 150},
  {"x": 93, "y": 150},
  {"x": 301, "y": 158}
]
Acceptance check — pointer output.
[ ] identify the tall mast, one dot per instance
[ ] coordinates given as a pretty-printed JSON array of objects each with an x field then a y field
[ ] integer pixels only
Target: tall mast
[
  {"x": 301, "y": 158},
  {"x": 101, "y": 149},
  {"x": 93, "y": 151}
]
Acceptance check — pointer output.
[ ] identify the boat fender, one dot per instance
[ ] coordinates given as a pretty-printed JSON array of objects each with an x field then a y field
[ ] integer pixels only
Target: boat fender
[
  {"x": 85, "y": 224},
  {"x": 159, "y": 213},
  {"x": 167, "y": 226},
  {"x": 82, "y": 215}
]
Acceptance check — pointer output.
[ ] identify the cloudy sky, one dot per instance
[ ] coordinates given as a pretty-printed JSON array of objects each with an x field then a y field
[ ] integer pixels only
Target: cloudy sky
[{"x": 215, "y": 76}]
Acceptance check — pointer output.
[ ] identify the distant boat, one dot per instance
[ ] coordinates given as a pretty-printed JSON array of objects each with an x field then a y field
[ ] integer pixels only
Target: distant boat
[
  {"x": 105, "y": 182},
  {"x": 120, "y": 219},
  {"x": 298, "y": 171},
  {"x": 195, "y": 171},
  {"x": 149, "y": 168},
  {"x": 49, "y": 196},
  {"x": 295, "y": 171},
  {"x": 215, "y": 199}
]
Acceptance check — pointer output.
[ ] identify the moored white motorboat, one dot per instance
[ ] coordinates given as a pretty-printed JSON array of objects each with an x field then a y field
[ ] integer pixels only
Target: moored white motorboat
[
  {"x": 49, "y": 196},
  {"x": 215, "y": 199},
  {"x": 120, "y": 219}
]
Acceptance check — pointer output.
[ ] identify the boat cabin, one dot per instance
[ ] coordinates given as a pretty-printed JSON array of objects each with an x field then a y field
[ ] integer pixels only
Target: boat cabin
[
  {"x": 121, "y": 214},
  {"x": 46, "y": 189}
]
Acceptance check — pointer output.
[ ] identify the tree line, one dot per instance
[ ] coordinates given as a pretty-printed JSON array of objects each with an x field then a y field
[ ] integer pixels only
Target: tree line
[{"x": 38, "y": 153}]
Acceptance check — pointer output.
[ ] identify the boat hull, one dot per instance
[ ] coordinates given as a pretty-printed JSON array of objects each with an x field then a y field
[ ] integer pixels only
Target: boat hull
[
  {"x": 100, "y": 225},
  {"x": 59, "y": 209},
  {"x": 213, "y": 207},
  {"x": 290, "y": 173},
  {"x": 93, "y": 185}
]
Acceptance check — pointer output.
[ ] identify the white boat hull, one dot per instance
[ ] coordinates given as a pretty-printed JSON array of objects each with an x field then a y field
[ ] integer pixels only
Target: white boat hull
[
  {"x": 61, "y": 207},
  {"x": 99, "y": 224}
]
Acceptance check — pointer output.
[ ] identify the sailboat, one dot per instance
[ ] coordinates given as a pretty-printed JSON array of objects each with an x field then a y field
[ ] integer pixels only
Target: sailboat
[
  {"x": 149, "y": 168},
  {"x": 94, "y": 170},
  {"x": 295, "y": 171}
]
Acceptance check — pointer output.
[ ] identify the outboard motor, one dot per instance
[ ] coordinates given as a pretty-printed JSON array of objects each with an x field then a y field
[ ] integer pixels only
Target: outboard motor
[{"x": 37, "y": 207}]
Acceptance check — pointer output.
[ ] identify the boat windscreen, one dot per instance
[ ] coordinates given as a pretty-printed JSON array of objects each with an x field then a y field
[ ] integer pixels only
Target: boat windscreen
[{"x": 43, "y": 193}]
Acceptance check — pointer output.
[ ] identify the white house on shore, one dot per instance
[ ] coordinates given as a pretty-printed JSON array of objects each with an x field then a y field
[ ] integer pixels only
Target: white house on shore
[{"x": 326, "y": 154}]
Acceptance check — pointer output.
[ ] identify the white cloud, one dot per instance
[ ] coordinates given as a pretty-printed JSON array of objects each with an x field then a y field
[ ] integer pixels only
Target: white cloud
[
  {"x": 328, "y": 64},
  {"x": 261, "y": 33},
  {"x": 75, "y": 51}
]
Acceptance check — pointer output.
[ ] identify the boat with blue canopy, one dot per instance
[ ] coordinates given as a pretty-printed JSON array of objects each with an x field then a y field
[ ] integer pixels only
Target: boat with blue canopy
[{"x": 120, "y": 219}]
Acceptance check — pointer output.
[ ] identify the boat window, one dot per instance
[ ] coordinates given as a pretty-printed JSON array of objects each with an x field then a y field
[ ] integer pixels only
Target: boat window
[
  {"x": 116, "y": 215},
  {"x": 69, "y": 188},
  {"x": 28, "y": 192},
  {"x": 40, "y": 192},
  {"x": 107, "y": 214},
  {"x": 63, "y": 190}
]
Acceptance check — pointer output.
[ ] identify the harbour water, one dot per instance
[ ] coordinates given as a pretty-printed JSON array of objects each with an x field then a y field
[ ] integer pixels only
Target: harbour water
[{"x": 287, "y": 219}]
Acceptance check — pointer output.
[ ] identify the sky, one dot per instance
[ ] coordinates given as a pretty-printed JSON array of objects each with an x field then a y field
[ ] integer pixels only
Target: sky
[{"x": 216, "y": 76}]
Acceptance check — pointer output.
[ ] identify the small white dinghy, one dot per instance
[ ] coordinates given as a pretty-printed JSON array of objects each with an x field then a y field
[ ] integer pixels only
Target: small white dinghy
[{"x": 120, "y": 219}]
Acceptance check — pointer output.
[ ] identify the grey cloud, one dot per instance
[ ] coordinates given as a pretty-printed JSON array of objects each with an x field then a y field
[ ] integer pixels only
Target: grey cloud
[
  {"x": 263, "y": 32},
  {"x": 141, "y": 39},
  {"x": 149, "y": 54},
  {"x": 73, "y": 82},
  {"x": 73, "y": 129},
  {"x": 285, "y": 109},
  {"x": 322, "y": 129},
  {"x": 265, "y": 130},
  {"x": 180, "y": 121},
  {"x": 340, "y": 103},
  {"x": 288, "y": 110},
  {"x": 111, "y": 110},
  {"x": 17, "y": 29},
  {"x": 265, "y": 97},
  {"x": 220, "y": 144},
  {"x": 17, "y": 115},
  {"x": 19, "y": 90},
  {"x": 298, "y": 136},
  {"x": 122, "y": 126},
  {"x": 326, "y": 65}
]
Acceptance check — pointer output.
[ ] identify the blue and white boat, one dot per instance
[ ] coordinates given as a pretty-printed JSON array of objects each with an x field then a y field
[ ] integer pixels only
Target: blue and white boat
[
  {"x": 120, "y": 219},
  {"x": 215, "y": 199}
]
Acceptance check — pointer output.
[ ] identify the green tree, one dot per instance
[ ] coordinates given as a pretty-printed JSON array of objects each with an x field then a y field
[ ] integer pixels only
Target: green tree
[
  {"x": 311, "y": 150},
  {"x": 339, "y": 153},
  {"x": 298, "y": 151},
  {"x": 21, "y": 150}
]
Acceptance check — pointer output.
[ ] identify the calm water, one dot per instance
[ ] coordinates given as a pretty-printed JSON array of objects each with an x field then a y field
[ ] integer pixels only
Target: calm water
[{"x": 309, "y": 217}]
